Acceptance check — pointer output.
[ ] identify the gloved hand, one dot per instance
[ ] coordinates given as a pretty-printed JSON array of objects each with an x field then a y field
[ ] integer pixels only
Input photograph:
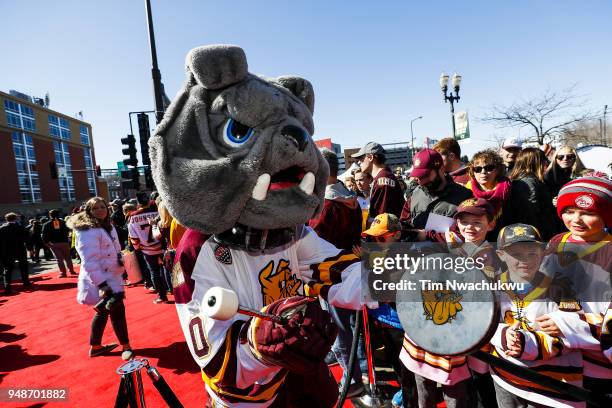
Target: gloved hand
[
  {"x": 302, "y": 343},
  {"x": 105, "y": 290}
]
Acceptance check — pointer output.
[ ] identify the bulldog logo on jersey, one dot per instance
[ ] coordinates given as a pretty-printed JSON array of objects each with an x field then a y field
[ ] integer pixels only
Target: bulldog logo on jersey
[
  {"x": 441, "y": 306},
  {"x": 278, "y": 283},
  {"x": 223, "y": 254}
]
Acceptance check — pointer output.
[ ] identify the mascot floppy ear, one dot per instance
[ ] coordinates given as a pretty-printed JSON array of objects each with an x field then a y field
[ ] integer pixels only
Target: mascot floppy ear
[
  {"x": 300, "y": 88},
  {"x": 218, "y": 66},
  {"x": 212, "y": 67}
]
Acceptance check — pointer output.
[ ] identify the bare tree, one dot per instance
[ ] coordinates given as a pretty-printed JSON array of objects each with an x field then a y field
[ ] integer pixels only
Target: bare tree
[
  {"x": 547, "y": 115},
  {"x": 497, "y": 139},
  {"x": 588, "y": 132}
]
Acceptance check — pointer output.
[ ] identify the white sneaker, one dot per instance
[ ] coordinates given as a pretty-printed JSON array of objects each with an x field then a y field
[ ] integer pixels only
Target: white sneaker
[{"x": 127, "y": 355}]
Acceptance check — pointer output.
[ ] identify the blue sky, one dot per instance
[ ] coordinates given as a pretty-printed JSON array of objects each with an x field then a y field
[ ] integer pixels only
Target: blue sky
[{"x": 374, "y": 65}]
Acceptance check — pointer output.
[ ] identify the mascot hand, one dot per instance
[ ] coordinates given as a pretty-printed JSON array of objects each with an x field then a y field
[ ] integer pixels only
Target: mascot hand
[{"x": 302, "y": 343}]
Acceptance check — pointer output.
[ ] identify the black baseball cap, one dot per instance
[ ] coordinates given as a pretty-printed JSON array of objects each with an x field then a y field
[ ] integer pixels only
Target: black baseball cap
[{"x": 516, "y": 233}]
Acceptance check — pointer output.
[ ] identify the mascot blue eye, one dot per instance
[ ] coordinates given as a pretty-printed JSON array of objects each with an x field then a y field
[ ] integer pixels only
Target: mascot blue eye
[{"x": 235, "y": 133}]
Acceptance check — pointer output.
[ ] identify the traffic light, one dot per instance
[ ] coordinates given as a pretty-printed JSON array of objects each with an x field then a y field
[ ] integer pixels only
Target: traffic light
[
  {"x": 53, "y": 170},
  {"x": 98, "y": 170},
  {"x": 145, "y": 133},
  {"x": 135, "y": 179},
  {"x": 130, "y": 151},
  {"x": 130, "y": 179}
]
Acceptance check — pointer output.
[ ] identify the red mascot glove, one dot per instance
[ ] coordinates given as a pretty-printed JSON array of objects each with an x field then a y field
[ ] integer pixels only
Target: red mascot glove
[{"x": 302, "y": 343}]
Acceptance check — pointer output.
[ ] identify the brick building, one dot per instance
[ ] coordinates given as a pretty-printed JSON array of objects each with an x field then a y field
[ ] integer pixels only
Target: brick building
[
  {"x": 48, "y": 158},
  {"x": 335, "y": 147}
]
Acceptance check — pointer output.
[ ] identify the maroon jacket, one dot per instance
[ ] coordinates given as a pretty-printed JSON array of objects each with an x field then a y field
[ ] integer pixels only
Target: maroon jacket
[
  {"x": 339, "y": 223},
  {"x": 387, "y": 195},
  {"x": 184, "y": 261}
]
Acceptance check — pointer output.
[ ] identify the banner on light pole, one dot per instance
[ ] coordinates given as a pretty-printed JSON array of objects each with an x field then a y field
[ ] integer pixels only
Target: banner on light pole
[{"x": 462, "y": 126}]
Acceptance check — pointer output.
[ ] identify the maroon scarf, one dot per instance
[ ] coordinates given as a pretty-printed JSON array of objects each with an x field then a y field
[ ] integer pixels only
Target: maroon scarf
[{"x": 496, "y": 197}]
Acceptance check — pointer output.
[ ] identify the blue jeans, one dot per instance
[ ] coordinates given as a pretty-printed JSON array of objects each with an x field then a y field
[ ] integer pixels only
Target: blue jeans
[
  {"x": 342, "y": 346},
  {"x": 154, "y": 264}
]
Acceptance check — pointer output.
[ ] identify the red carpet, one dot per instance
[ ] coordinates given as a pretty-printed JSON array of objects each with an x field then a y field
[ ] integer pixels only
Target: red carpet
[{"x": 44, "y": 337}]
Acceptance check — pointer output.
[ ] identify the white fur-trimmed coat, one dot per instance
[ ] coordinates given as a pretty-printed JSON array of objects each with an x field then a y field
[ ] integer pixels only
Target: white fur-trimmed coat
[{"x": 98, "y": 250}]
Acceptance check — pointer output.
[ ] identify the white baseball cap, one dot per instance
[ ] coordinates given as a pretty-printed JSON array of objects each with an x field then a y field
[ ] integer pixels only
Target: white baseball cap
[{"x": 512, "y": 142}]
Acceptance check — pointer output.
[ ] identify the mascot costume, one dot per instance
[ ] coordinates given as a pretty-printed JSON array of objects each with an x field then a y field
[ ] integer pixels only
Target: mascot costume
[{"x": 234, "y": 159}]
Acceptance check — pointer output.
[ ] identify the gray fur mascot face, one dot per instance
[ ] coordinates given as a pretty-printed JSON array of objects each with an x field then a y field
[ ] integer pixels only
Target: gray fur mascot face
[{"x": 237, "y": 148}]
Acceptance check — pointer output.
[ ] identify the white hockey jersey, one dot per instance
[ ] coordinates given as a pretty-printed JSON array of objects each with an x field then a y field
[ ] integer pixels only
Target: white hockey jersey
[
  {"x": 545, "y": 354},
  {"x": 140, "y": 231},
  {"x": 312, "y": 266},
  {"x": 586, "y": 269}
]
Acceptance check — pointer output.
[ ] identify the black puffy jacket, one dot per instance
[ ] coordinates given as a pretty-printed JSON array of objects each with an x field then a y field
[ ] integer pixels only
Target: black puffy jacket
[{"x": 530, "y": 203}]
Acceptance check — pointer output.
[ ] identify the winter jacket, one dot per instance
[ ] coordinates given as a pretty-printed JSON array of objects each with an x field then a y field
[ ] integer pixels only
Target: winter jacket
[
  {"x": 340, "y": 219},
  {"x": 55, "y": 231},
  {"x": 99, "y": 251},
  {"x": 35, "y": 234},
  {"x": 555, "y": 178},
  {"x": 421, "y": 203},
  {"x": 13, "y": 238},
  {"x": 387, "y": 195},
  {"x": 530, "y": 203}
]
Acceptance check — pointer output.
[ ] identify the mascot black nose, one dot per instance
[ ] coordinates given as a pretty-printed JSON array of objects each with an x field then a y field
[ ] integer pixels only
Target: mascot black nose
[{"x": 298, "y": 134}]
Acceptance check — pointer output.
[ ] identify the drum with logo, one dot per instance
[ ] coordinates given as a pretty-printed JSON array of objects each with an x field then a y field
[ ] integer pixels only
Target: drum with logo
[{"x": 451, "y": 309}]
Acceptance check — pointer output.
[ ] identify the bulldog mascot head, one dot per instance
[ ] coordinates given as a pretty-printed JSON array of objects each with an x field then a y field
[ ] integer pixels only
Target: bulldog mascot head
[{"x": 234, "y": 150}]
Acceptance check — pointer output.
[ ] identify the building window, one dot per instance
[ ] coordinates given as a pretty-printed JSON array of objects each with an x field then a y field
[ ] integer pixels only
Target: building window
[
  {"x": 19, "y": 116},
  {"x": 29, "y": 186},
  {"x": 91, "y": 177},
  {"x": 59, "y": 127},
  {"x": 64, "y": 171},
  {"x": 84, "y": 131}
]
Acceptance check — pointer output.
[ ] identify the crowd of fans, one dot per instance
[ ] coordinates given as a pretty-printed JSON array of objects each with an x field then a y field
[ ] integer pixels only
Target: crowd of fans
[{"x": 487, "y": 198}]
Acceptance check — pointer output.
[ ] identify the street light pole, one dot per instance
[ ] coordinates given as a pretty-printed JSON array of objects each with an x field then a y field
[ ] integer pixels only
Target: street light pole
[
  {"x": 157, "y": 84},
  {"x": 412, "y": 137},
  {"x": 449, "y": 97},
  {"x": 604, "y": 125}
]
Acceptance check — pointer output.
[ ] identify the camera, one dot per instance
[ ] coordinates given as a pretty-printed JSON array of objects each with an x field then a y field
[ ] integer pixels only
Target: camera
[
  {"x": 109, "y": 299},
  {"x": 108, "y": 303}
]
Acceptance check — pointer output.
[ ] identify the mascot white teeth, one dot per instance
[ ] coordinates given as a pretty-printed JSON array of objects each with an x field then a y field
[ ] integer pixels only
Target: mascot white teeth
[{"x": 234, "y": 158}]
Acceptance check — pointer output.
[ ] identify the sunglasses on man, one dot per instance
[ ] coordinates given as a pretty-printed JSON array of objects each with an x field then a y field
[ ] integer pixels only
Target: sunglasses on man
[{"x": 487, "y": 168}]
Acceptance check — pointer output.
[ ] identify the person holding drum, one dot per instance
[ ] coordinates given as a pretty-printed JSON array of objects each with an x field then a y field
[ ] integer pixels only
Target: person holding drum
[
  {"x": 475, "y": 219},
  {"x": 520, "y": 337}
]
